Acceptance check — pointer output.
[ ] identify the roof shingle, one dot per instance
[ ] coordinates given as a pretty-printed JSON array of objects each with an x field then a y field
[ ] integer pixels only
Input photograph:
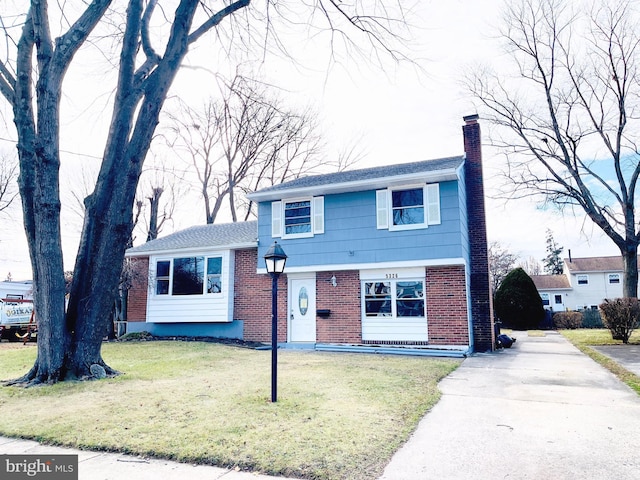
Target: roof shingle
[
  {"x": 550, "y": 282},
  {"x": 365, "y": 174},
  {"x": 203, "y": 236},
  {"x": 594, "y": 264}
]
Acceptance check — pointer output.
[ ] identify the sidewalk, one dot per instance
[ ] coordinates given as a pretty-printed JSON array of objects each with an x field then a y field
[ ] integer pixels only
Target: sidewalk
[
  {"x": 540, "y": 410},
  {"x": 113, "y": 466}
]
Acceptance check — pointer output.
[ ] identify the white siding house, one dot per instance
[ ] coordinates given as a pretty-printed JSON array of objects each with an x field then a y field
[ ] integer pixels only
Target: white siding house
[{"x": 584, "y": 284}]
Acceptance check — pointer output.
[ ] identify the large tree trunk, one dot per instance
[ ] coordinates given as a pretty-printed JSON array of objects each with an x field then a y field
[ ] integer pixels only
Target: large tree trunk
[
  {"x": 70, "y": 344},
  {"x": 630, "y": 276}
]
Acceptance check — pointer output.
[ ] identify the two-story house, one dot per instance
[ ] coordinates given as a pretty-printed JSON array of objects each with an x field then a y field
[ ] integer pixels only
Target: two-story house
[
  {"x": 393, "y": 257},
  {"x": 584, "y": 283}
]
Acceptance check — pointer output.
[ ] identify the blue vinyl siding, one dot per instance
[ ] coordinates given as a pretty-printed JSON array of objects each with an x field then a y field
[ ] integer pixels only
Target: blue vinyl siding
[
  {"x": 351, "y": 235},
  {"x": 464, "y": 218}
]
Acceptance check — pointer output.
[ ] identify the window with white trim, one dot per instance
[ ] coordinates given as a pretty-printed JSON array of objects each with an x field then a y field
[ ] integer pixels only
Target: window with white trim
[
  {"x": 394, "y": 298},
  {"x": 408, "y": 207},
  {"x": 614, "y": 278},
  {"x": 582, "y": 279},
  {"x": 186, "y": 276},
  {"x": 297, "y": 218},
  {"x": 214, "y": 274},
  {"x": 162, "y": 277},
  {"x": 545, "y": 299}
]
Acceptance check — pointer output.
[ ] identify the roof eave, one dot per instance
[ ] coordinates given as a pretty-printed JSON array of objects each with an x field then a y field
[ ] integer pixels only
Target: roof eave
[
  {"x": 359, "y": 185},
  {"x": 166, "y": 251}
]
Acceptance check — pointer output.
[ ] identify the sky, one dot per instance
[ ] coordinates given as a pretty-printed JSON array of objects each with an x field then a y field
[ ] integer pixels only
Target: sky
[{"x": 398, "y": 114}]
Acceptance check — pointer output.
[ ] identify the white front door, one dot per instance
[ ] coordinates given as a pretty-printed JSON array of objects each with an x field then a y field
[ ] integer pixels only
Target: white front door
[{"x": 302, "y": 309}]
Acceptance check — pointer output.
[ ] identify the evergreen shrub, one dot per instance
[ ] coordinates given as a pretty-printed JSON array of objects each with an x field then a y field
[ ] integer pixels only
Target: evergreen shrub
[
  {"x": 591, "y": 319},
  {"x": 517, "y": 302}
]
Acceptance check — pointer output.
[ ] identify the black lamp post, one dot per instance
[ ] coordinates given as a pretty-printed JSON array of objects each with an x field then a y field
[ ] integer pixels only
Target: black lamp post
[{"x": 275, "y": 259}]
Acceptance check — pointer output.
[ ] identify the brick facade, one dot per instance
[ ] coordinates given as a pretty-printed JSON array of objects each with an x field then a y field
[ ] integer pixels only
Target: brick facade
[
  {"x": 344, "y": 324},
  {"x": 252, "y": 299},
  {"x": 137, "y": 299},
  {"x": 447, "y": 317},
  {"x": 480, "y": 290},
  {"x": 446, "y": 303}
]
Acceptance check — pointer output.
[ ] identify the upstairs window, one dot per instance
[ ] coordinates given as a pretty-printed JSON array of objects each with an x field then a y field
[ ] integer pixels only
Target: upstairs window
[
  {"x": 583, "y": 279},
  {"x": 408, "y": 207},
  {"x": 297, "y": 218},
  {"x": 614, "y": 278}
]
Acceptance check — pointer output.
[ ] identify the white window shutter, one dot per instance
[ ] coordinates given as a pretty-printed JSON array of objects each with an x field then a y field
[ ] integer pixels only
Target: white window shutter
[
  {"x": 382, "y": 209},
  {"x": 318, "y": 215},
  {"x": 276, "y": 219},
  {"x": 432, "y": 195}
]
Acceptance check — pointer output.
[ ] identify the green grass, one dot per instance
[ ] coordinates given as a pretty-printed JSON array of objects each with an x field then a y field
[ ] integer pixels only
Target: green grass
[
  {"x": 337, "y": 416},
  {"x": 584, "y": 339}
]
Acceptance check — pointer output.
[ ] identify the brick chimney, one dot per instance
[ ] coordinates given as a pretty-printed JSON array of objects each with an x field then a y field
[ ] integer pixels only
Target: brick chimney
[{"x": 480, "y": 290}]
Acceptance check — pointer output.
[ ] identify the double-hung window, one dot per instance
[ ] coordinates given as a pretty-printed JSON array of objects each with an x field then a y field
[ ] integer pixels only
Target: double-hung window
[
  {"x": 545, "y": 299},
  {"x": 394, "y": 298},
  {"x": 410, "y": 207},
  {"x": 297, "y": 218},
  {"x": 186, "y": 276},
  {"x": 582, "y": 279},
  {"x": 614, "y": 278}
]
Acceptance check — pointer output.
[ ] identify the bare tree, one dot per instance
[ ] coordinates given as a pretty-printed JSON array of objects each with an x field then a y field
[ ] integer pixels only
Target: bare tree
[
  {"x": 246, "y": 140},
  {"x": 501, "y": 262},
  {"x": 8, "y": 181},
  {"x": 568, "y": 122},
  {"x": 161, "y": 188},
  {"x": 40, "y": 47},
  {"x": 531, "y": 266}
]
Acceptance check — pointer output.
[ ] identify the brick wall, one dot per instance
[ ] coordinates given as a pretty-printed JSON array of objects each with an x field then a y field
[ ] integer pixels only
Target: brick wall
[
  {"x": 252, "y": 299},
  {"x": 344, "y": 325},
  {"x": 447, "y": 314},
  {"x": 137, "y": 297},
  {"x": 480, "y": 290}
]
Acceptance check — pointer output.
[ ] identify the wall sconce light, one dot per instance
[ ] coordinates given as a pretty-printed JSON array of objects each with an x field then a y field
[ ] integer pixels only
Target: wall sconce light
[{"x": 334, "y": 282}]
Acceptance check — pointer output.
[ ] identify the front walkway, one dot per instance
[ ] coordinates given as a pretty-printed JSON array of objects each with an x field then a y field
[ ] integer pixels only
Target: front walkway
[{"x": 540, "y": 410}]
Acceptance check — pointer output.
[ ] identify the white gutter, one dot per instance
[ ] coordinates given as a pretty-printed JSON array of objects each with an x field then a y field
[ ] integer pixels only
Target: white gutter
[{"x": 205, "y": 248}]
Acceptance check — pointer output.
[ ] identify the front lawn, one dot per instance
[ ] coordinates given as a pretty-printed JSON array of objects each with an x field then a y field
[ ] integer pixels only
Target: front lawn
[{"x": 338, "y": 416}]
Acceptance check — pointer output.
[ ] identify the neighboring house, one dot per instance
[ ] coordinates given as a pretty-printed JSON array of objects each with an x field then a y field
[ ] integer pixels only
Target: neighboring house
[
  {"x": 554, "y": 291},
  {"x": 392, "y": 257},
  {"x": 585, "y": 283}
]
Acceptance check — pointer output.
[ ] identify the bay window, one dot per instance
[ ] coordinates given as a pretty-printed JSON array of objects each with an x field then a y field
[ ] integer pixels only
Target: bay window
[{"x": 186, "y": 276}]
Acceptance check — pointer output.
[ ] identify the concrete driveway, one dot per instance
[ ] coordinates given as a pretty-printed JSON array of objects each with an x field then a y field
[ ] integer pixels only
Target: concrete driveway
[{"x": 540, "y": 410}]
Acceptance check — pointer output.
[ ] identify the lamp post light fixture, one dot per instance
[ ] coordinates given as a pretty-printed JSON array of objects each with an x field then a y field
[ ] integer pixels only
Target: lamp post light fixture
[{"x": 275, "y": 259}]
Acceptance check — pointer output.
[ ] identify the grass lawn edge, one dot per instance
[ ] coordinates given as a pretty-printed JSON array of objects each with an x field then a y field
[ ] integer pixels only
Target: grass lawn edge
[{"x": 629, "y": 378}]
